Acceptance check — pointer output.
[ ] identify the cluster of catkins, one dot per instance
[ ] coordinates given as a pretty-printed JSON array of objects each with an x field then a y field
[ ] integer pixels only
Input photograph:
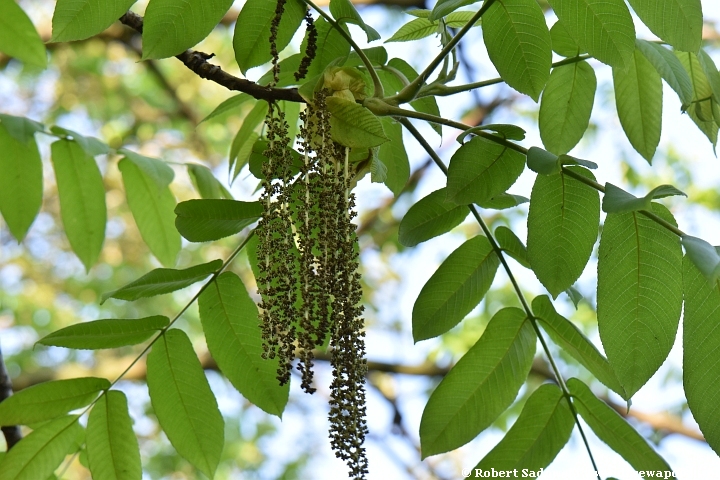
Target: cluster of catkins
[{"x": 308, "y": 260}]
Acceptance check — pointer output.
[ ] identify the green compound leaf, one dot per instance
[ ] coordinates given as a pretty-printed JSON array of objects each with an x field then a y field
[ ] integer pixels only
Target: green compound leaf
[
  {"x": 183, "y": 402},
  {"x": 703, "y": 104},
  {"x": 617, "y": 200},
  {"x": 414, "y": 30},
  {"x": 483, "y": 383},
  {"x": 612, "y": 429},
  {"x": 566, "y": 105},
  {"x": 40, "y": 453},
  {"x": 669, "y": 68},
  {"x": 152, "y": 205},
  {"x": 81, "y": 19},
  {"x": 603, "y": 28},
  {"x": 344, "y": 12},
  {"x": 562, "y": 228},
  {"x": 82, "y": 199},
  {"x": 480, "y": 169},
  {"x": 252, "y": 30},
  {"x": 394, "y": 156},
  {"x": 519, "y": 45},
  {"x": 704, "y": 256},
  {"x": 21, "y": 182},
  {"x": 112, "y": 447},
  {"x": 207, "y": 220},
  {"x": 454, "y": 289},
  {"x": 567, "y": 336},
  {"x": 429, "y": 217},
  {"x": 562, "y": 43},
  {"x": 106, "y": 333},
  {"x": 49, "y": 400},
  {"x": 638, "y": 97},
  {"x": 537, "y": 436},
  {"x": 444, "y": 7},
  {"x": 163, "y": 280},
  {"x": 701, "y": 337},
  {"x": 512, "y": 245},
  {"x": 171, "y": 27},
  {"x": 678, "y": 22},
  {"x": 228, "y": 105},
  {"x": 639, "y": 294},
  {"x": 18, "y": 37},
  {"x": 230, "y": 320},
  {"x": 206, "y": 184},
  {"x": 21, "y": 129},
  {"x": 353, "y": 125}
]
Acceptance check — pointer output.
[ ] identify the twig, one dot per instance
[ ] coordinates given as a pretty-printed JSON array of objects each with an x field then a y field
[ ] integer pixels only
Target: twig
[{"x": 12, "y": 433}]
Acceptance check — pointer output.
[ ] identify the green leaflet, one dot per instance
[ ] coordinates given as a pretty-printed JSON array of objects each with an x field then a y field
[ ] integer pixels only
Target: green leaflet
[
  {"x": 415, "y": 29},
  {"x": 21, "y": 182},
  {"x": 81, "y": 19},
  {"x": 562, "y": 43},
  {"x": 480, "y": 170},
  {"x": 429, "y": 217},
  {"x": 206, "y": 184},
  {"x": 423, "y": 104},
  {"x": 566, "y": 105},
  {"x": 91, "y": 145},
  {"x": 40, "y": 453},
  {"x": 344, "y": 12},
  {"x": 566, "y": 335},
  {"x": 537, "y": 436},
  {"x": 511, "y": 244},
  {"x": 112, "y": 447},
  {"x": 454, "y": 289},
  {"x": 483, "y": 383},
  {"x": 678, "y": 22},
  {"x": 543, "y": 162},
  {"x": 152, "y": 207},
  {"x": 163, "y": 280},
  {"x": 518, "y": 42},
  {"x": 171, "y": 27},
  {"x": 207, "y": 220},
  {"x": 638, "y": 97},
  {"x": 243, "y": 142},
  {"x": 18, "y": 37},
  {"x": 252, "y": 30},
  {"x": 21, "y": 129},
  {"x": 444, "y": 7},
  {"x": 228, "y": 105},
  {"x": 604, "y": 28},
  {"x": 612, "y": 429},
  {"x": 106, "y": 333},
  {"x": 506, "y": 131},
  {"x": 562, "y": 228},
  {"x": 394, "y": 156},
  {"x": 669, "y": 68},
  {"x": 230, "y": 320},
  {"x": 617, "y": 200},
  {"x": 82, "y": 199},
  {"x": 700, "y": 340},
  {"x": 353, "y": 125},
  {"x": 330, "y": 46},
  {"x": 703, "y": 104},
  {"x": 158, "y": 171},
  {"x": 639, "y": 295},
  {"x": 504, "y": 201},
  {"x": 49, "y": 400},
  {"x": 703, "y": 255},
  {"x": 183, "y": 402}
]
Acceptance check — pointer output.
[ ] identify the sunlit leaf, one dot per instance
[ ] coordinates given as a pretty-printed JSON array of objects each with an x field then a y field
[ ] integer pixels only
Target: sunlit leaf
[
  {"x": 206, "y": 184},
  {"x": 243, "y": 142},
  {"x": 702, "y": 107},
  {"x": 18, "y": 37},
  {"x": 21, "y": 129},
  {"x": 444, "y": 7},
  {"x": 163, "y": 280},
  {"x": 481, "y": 385},
  {"x": 669, "y": 68},
  {"x": 228, "y": 105},
  {"x": 230, "y": 321},
  {"x": 112, "y": 447},
  {"x": 394, "y": 156},
  {"x": 343, "y": 11},
  {"x": 183, "y": 402},
  {"x": 678, "y": 22},
  {"x": 414, "y": 30},
  {"x": 107, "y": 333},
  {"x": 81, "y": 19},
  {"x": 455, "y": 288},
  {"x": 429, "y": 217},
  {"x": 562, "y": 43},
  {"x": 353, "y": 125},
  {"x": 206, "y": 220},
  {"x": 512, "y": 245}
]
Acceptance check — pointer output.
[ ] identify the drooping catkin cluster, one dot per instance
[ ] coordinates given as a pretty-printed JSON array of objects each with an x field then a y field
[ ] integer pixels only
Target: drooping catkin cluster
[{"x": 309, "y": 284}]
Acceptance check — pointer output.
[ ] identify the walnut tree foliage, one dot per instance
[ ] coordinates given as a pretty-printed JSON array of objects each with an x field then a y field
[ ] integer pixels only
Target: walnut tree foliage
[{"x": 315, "y": 124}]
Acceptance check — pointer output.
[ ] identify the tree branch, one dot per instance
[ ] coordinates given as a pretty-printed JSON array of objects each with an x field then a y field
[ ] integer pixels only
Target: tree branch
[
  {"x": 11, "y": 432},
  {"x": 198, "y": 63}
]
